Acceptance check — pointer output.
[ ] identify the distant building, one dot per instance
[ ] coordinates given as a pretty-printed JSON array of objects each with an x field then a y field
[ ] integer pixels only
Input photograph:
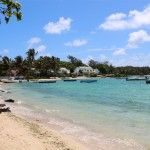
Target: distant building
[
  {"x": 96, "y": 71},
  {"x": 64, "y": 71},
  {"x": 85, "y": 70}
]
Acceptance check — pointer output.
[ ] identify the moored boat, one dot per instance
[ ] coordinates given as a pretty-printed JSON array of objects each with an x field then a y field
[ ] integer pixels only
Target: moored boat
[
  {"x": 46, "y": 81},
  {"x": 69, "y": 80},
  {"x": 88, "y": 81},
  {"x": 136, "y": 78},
  {"x": 10, "y": 81},
  {"x": 148, "y": 81}
]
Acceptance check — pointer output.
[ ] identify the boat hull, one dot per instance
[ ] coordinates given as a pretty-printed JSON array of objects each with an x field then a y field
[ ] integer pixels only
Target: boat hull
[
  {"x": 136, "y": 79},
  {"x": 11, "y": 81},
  {"x": 88, "y": 81},
  {"x": 67, "y": 80},
  {"x": 46, "y": 81},
  {"x": 147, "y": 81}
]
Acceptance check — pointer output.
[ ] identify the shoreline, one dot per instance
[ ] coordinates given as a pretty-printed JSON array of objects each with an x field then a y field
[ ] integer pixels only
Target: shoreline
[
  {"x": 18, "y": 132},
  {"x": 105, "y": 142},
  {"x": 19, "y": 129}
]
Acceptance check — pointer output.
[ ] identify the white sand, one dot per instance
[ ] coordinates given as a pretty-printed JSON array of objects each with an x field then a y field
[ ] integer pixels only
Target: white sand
[{"x": 19, "y": 134}]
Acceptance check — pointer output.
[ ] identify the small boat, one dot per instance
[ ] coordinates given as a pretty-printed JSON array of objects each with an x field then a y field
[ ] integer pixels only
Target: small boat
[
  {"x": 147, "y": 81},
  {"x": 46, "y": 81},
  {"x": 10, "y": 81},
  {"x": 69, "y": 80},
  {"x": 88, "y": 81},
  {"x": 135, "y": 78}
]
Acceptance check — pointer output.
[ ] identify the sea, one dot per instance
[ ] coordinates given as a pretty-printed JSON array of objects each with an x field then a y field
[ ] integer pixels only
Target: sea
[{"x": 112, "y": 114}]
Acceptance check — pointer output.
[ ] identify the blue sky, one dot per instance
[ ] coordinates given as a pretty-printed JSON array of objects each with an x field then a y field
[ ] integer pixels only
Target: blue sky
[{"x": 114, "y": 30}]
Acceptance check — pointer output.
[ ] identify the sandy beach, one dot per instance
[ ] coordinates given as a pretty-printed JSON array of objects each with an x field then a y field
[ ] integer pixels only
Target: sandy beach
[
  {"x": 22, "y": 129},
  {"x": 19, "y": 134}
]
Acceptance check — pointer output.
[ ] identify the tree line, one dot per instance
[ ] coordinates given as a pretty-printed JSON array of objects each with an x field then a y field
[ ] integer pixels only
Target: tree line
[{"x": 44, "y": 66}]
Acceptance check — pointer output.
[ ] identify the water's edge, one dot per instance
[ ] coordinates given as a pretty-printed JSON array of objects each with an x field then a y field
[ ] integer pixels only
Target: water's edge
[{"x": 81, "y": 133}]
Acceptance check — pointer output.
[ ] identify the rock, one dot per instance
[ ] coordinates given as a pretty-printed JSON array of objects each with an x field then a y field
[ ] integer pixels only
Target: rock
[
  {"x": 10, "y": 100},
  {"x": 2, "y": 90},
  {"x": 7, "y": 109},
  {"x": 2, "y": 105}
]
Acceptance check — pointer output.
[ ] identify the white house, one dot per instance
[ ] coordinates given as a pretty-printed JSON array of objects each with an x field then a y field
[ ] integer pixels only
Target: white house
[
  {"x": 86, "y": 70},
  {"x": 64, "y": 71}
]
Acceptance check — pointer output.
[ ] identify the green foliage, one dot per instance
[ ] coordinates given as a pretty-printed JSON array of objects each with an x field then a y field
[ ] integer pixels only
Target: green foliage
[
  {"x": 45, "y": 66},
  {"x": 92, "y": 63},
  {"x": 76, "y": 62},
  {"x": 9, "y": 8}
]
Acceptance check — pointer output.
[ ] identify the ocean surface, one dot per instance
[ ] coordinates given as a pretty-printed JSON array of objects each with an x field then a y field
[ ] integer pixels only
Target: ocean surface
[{"x": 108, "y": 111}]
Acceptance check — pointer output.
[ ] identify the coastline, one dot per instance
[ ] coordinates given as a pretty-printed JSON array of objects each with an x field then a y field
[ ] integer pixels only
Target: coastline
[
  {"x": 26, "y": 133},
  {"x": 18, "y": 133},
  {"x": 72, "y": 141}
]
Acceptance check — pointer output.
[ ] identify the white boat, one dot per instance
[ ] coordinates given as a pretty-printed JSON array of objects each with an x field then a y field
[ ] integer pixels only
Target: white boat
[
  {"x": 43, "y": 81},
  {"x": 13, "y": 80},
  {"x": 10, "y": 81}
]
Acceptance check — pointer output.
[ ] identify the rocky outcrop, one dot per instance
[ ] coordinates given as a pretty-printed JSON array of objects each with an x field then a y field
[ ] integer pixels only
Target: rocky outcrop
[
  {"x": 10, "y": 101},
  {"x": 2, "y": 105},
  {"x": 3, "y": 108}
]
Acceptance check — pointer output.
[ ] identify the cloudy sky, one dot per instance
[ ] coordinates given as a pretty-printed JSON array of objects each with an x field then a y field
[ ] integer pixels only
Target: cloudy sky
[{"x": 113, "y": 30}]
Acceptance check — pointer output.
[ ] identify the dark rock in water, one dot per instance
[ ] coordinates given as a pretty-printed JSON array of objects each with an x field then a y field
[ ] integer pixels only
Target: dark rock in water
[
  {"x": 2, "y": 105},
  {"x": 2, "y": 90},
  {"x": 10, "y": 100},
  {"x": 5, "y": 110}
]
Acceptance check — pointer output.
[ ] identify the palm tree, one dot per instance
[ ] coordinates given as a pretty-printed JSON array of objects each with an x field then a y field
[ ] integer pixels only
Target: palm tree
[
  {"x": 31, "y": 53},
  {"x": 18, "y": 63},
  {"x": 6, "y": 63},
  {"x": 1, "y": 64},
  {"x": 55, "y": 64}
]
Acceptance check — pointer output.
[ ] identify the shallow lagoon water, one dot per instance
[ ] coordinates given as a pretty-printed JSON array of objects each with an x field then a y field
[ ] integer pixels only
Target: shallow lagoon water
[{"x": 112, "y": 107}]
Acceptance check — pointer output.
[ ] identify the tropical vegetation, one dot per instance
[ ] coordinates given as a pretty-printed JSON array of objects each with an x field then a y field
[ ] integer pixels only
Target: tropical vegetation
[
  {"x": 34, "y": 66},
  {"x": 9, "y": 8}
]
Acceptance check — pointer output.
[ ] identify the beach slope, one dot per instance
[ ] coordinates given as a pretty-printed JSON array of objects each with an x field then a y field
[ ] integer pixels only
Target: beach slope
[{"x": 19, "y": 134}]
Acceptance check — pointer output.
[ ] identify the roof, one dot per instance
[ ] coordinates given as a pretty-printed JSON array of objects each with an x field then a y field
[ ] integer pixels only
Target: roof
[{"x": 84, "y": 67}]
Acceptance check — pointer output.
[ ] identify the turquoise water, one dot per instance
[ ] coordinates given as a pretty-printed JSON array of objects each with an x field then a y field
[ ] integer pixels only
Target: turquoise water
[{"x": 113, "y": 107}]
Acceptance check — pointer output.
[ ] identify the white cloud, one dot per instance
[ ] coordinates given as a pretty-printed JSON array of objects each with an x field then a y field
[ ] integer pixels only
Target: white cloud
[
  {"x": 36, "y": 42},
  {"x": 87, "y": 59},
  {"x": 4, "y": 52},
  {"x": 133, "y": 20},
  {"x": 33, "y": 41},
  {"x": 103, "y": 57},
  {"x": 77, "y": 43},
  {"x": 58, "y": 27},
  {"x": 120, "y": 51},
  {"x": 100, "y": 49},
  {"x": 48, "y": 54},
  {"x": 138, "y": 37},
  {"x": 99, "y": 58},
  {"x": 93, "y": 32},
  {"x": 135, "y": 60},
  {"x": 41, "y": 48}
]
